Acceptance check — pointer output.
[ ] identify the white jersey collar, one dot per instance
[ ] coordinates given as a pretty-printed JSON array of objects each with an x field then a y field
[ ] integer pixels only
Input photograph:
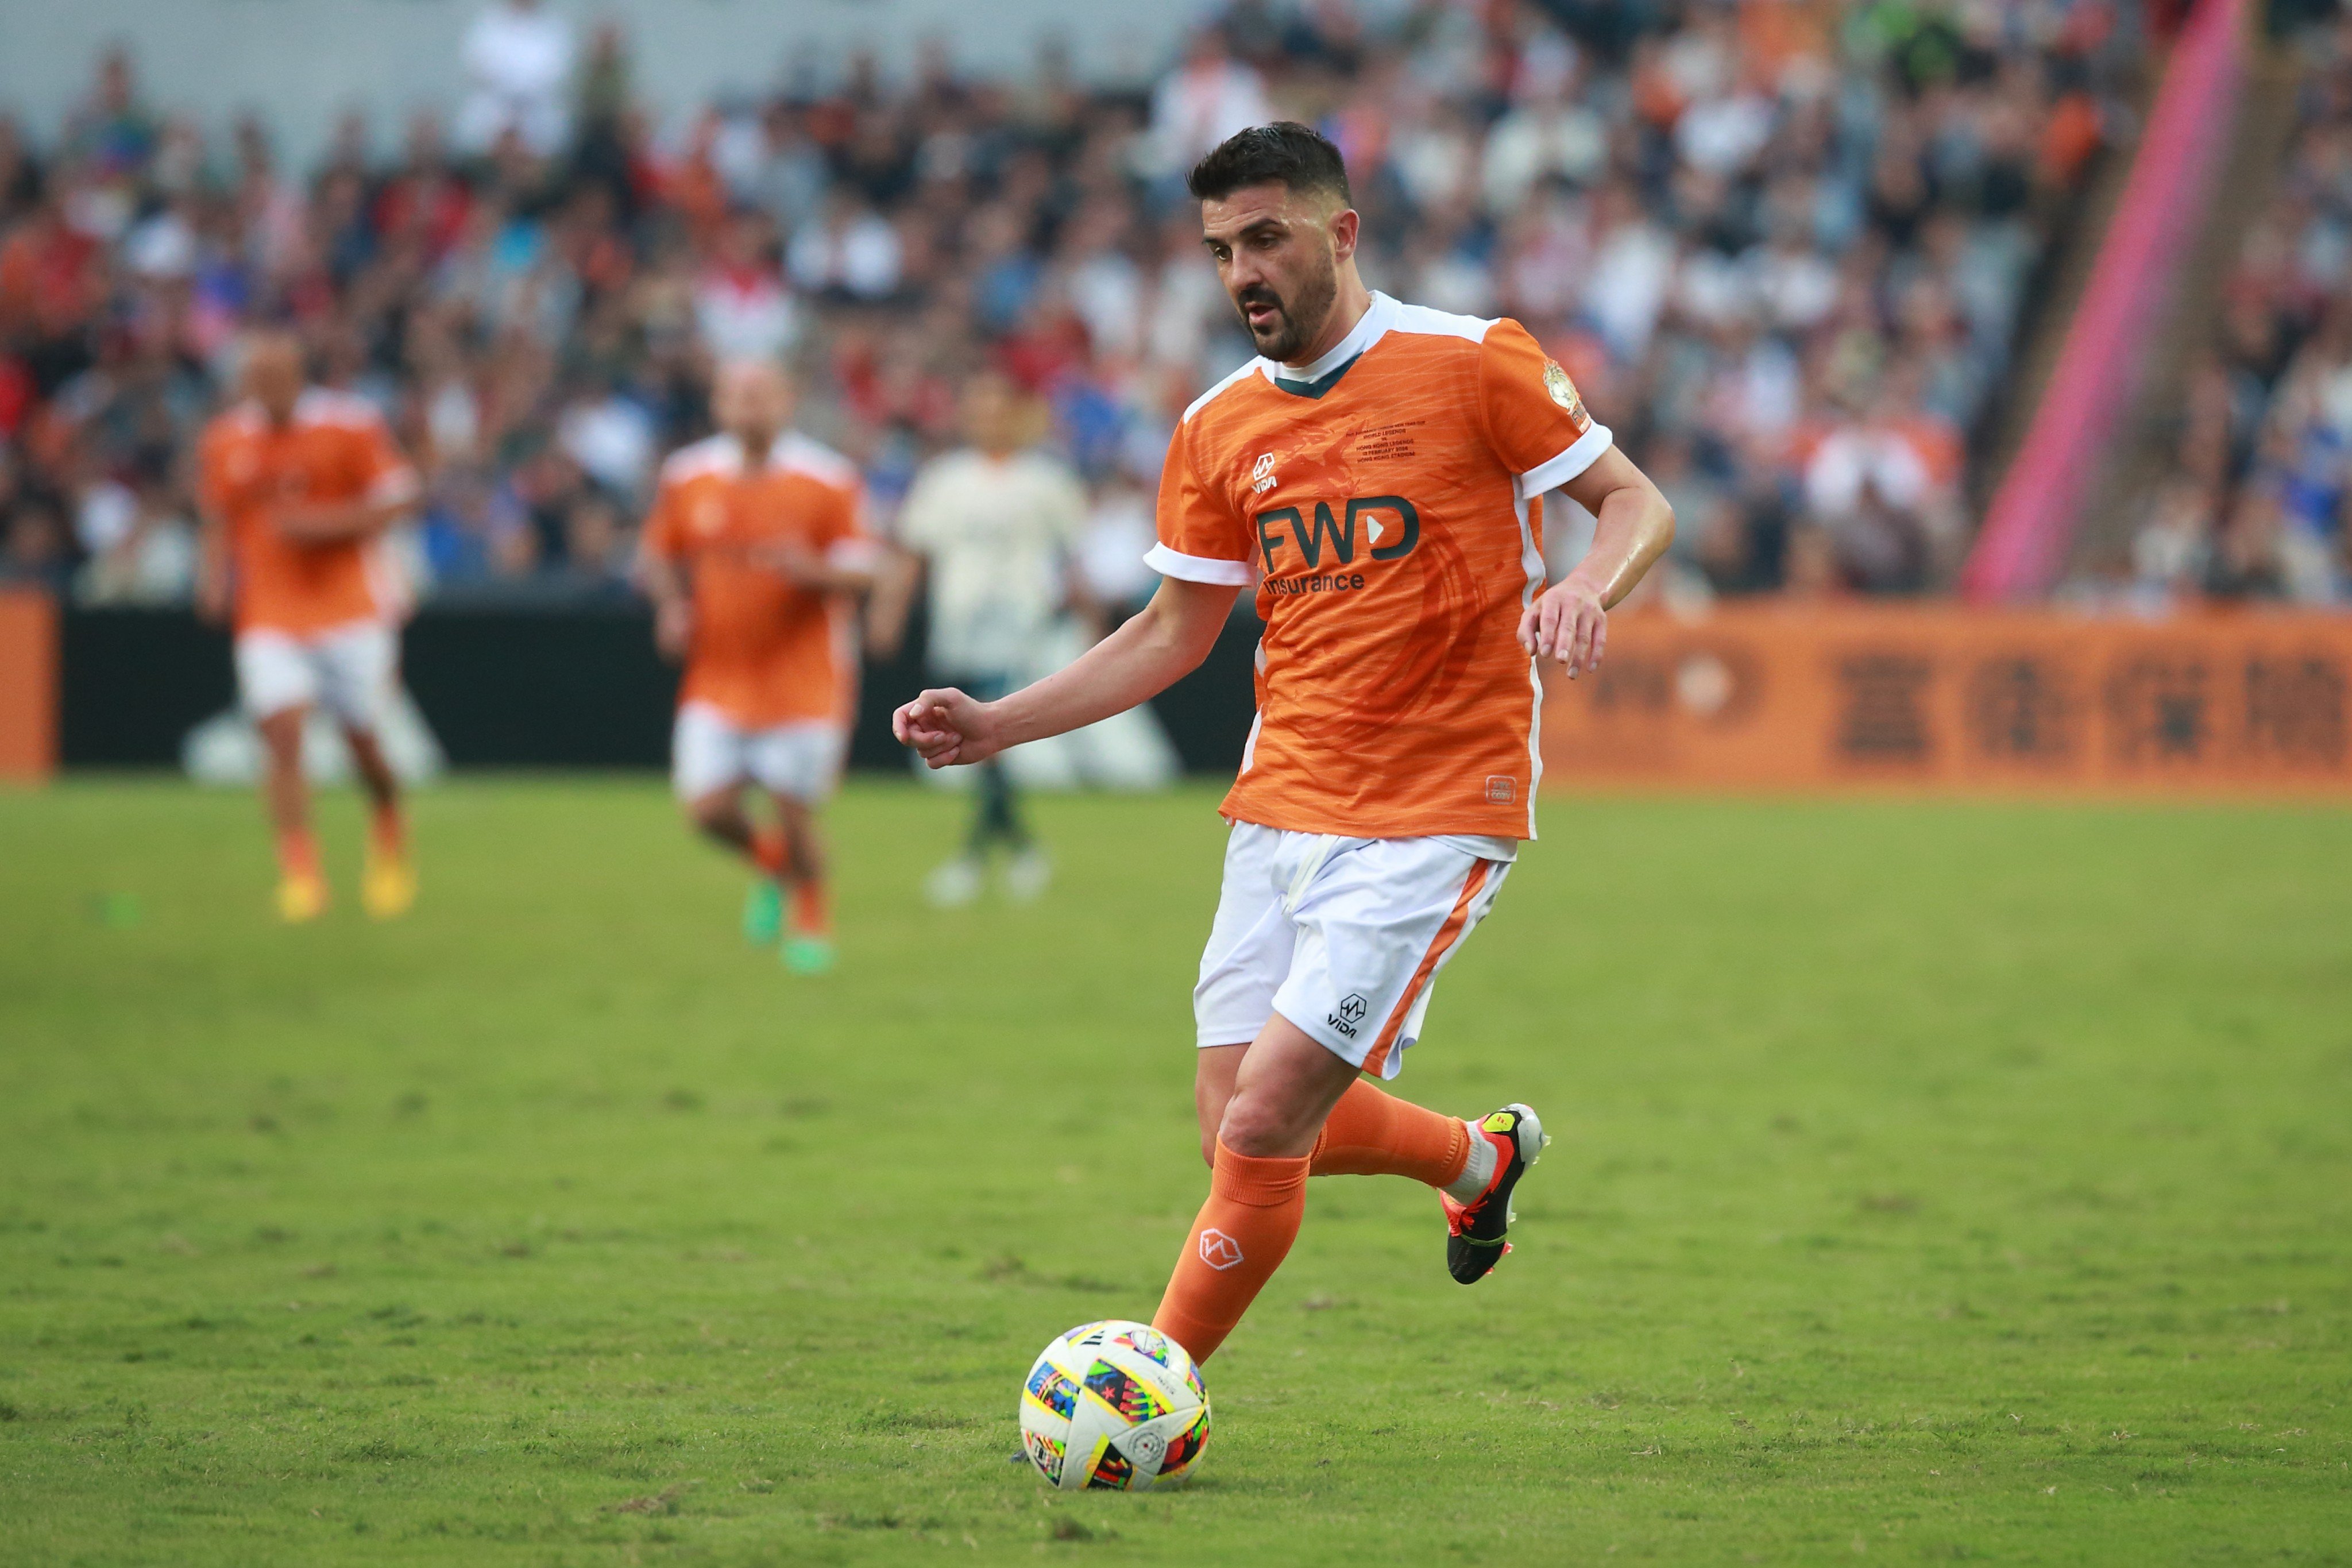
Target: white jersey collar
[
  {"x": 1368, "y": 329},
  {"x": 739, "y": 456}
]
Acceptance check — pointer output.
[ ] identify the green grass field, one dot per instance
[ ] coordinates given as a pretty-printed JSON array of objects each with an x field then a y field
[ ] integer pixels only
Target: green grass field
[{"x": 1933, "y": 1181}]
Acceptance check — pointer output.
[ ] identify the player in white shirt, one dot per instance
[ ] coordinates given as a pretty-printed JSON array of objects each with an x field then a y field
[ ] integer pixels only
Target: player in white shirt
[{"x": 994, "y": 526}]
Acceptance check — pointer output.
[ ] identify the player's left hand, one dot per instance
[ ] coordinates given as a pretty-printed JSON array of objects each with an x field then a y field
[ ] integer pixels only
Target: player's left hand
[
  {"x": 792, "y": 560},
  {"x": 946, "y": 727},
  {"x": 1566, "y": 623}
]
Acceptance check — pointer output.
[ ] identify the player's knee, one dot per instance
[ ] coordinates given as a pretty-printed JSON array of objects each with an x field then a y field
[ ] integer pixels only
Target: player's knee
[
  {"x": 799, "y": 825},
  {"x": 281, "y": 739},
  {"x": 709, "y": 813},
  {"x": 1256, "y": 1126},
  {"x": 367, "y": 753}
]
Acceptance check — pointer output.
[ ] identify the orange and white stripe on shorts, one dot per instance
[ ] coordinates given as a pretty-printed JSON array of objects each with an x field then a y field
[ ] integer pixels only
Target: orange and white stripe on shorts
[{"x": 1449, "y": 936}]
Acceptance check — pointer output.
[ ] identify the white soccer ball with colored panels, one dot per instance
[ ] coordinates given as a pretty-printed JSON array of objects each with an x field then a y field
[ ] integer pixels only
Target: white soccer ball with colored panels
[{"x": 1114, "y": 1405}]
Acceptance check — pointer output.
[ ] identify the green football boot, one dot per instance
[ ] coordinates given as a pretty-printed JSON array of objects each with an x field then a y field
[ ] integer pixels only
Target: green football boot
[
  {"x": 807, "y": 954},
  {"x": 763, "y": 913}
]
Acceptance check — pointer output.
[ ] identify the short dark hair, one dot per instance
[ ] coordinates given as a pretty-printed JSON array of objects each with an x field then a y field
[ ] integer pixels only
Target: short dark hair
[{"x": 1285, "y": 150}]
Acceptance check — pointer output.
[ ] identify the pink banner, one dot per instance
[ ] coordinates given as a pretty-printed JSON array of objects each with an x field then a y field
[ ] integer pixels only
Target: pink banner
[{"x": 2023, "y": 544}]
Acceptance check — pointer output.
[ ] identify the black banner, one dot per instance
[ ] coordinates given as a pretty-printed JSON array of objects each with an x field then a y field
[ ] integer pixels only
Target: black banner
[{"x": 525, "y": 686}]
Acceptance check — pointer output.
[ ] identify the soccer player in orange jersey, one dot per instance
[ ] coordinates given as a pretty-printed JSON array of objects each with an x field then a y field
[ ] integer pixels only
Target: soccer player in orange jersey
[
  {"x": 297, "y": 485},
  {"x": 751, "y": 554},
  {"x": 1377, "y": 470}
]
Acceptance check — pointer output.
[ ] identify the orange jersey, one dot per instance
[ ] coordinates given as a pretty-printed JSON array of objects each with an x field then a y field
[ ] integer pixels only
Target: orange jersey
[
  {"x": 334, "y": 449},
  {"x": 1387, "y": 499},
  {"x": 765, "y": 650}
]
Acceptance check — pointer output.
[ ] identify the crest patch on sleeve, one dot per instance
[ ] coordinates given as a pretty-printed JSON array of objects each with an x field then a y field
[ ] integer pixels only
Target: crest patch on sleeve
[{"x": 1562, "y": 390}]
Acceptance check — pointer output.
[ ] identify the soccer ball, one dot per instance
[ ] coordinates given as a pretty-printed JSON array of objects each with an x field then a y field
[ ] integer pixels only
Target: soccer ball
[{"x": 1113, "y": 1405}]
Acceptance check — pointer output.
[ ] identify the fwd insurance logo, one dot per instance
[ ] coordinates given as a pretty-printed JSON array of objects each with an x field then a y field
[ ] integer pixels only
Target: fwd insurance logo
[{"x": 1385, "y": 526}]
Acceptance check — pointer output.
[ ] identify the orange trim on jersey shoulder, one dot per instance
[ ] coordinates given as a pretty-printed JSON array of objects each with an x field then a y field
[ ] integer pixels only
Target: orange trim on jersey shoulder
[{"x": 1447, "y": 935}]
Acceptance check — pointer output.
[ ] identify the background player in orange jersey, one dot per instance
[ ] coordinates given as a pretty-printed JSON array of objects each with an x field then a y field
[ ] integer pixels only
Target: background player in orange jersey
[
  {"x": 1378, "y": 470},
  {"x": 752, "y": 553},
  {"x": 297, "y": 485}
]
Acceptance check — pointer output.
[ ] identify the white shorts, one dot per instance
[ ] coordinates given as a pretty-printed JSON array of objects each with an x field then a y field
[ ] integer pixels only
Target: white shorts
[
  {"x": 1344, "y": 937},
  {"x": 346, "y": 669},
  {"x": 800, "y": 761}
]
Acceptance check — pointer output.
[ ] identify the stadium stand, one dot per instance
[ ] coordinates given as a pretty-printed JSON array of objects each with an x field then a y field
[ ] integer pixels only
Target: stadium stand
[
  {"x": 2257, "y": 449},
  {"x": 1786, "y": 245}
]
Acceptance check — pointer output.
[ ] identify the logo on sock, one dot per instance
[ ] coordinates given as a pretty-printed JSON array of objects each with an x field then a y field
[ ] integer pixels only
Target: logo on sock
[{"x": 1219, "y": 1250}]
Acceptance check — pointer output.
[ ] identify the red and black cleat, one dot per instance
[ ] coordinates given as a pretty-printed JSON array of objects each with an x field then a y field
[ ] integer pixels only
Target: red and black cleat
[{"x": 1475, "y": 1231}]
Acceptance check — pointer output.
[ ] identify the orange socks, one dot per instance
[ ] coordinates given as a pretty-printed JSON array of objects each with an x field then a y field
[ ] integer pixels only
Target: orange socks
[
  {"x": 391, "y": 834},
  {"x": 1241, "y": 1237},
  {"x": 811, "y": 911},
  {"x": 1246, "y": 1228},
  {"x": 767, "y": 853},
  {"x": 811, "y": 914},
  {"x": 298, "y": 853},
  {"x": 1374, "y": 1134}
]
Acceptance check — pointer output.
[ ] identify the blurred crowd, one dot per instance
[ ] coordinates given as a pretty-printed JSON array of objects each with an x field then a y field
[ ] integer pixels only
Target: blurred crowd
[
  {"x": 2253, "y": 502},
  {"x": 1783, "y": 246}
]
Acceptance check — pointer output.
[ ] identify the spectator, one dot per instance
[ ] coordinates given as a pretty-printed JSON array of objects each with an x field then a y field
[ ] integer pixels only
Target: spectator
[
  {"x": 111, "y": 133},
  {"x": 1205, "y": 100},
  {"x": 852, "y": 254},
  {"x": 741, "y": 306},
  {"x": 37, "y": 549},
  {"x": 518, "y": 61},
  {"x": 149, "y": 557},
  {"x": 1547, "y": 136},
  {"x": 611, "y": 435},
  {"x": 597, "y": 547},
  {"x": 788, "y": 183},
  {"x": 1786, "y": 257},
  {"x": 2259, "y": 472}
]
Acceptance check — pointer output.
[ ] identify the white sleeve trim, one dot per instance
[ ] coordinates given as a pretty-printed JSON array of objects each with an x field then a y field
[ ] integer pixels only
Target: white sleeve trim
[
  {"x": 1197, "y": 568},
  {"x": 1551, "y": 475}
]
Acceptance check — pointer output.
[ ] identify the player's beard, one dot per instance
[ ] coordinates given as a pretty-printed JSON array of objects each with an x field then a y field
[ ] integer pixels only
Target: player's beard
[{"x": 1295, "y": 321}]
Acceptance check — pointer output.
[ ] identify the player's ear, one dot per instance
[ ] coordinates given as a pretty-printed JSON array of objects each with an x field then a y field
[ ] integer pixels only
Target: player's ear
[{"x": 1344, "y": 226}]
